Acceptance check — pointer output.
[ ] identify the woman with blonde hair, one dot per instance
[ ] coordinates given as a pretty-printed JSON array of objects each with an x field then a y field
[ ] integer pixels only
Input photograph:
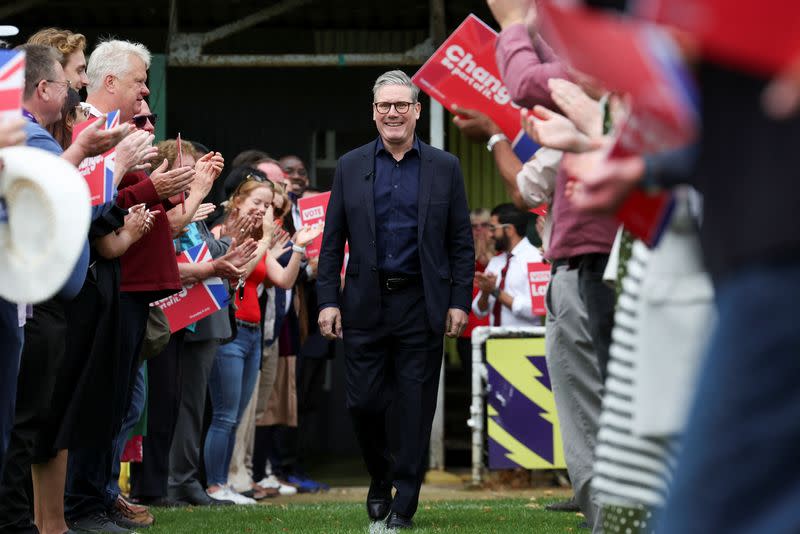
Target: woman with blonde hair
[{"x": 235, "y": 369}]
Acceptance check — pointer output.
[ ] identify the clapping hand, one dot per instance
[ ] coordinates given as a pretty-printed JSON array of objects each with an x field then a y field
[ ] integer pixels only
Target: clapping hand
[
  {"x": 133, "y": 154},
  {"x": 94, "y": 141},
  {"x": 208, "y": 169},
  {"x": 171, "y": 182},
  {"x": 601, "y": 184},
  {"x": 239, "y": 225},
  {"x": 307, "y": 234},
  {"x": 579, "y": 107},
  {"x": 138, "y": 222},
  {"x": 232, "y": 264},
  {"x": 280, "y": 242},
  {"x": 553, "y": 130},
  {"x": 203, "y": 211}
]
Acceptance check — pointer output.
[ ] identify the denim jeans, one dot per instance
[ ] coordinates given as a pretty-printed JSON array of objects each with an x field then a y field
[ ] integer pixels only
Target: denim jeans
[
  {"x": 233, "y": 377},
  {"x": 738, "y": 471},
  {"x": 10, "y": 351}
]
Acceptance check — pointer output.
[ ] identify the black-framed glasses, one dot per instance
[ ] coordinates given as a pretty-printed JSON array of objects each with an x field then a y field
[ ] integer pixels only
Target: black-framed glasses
[
  {"x": 67, "y": 83},
  {"x": 496, "y": 226},
  {"x": 400, "y": 107},
  {"x": 140, "y": 120}
]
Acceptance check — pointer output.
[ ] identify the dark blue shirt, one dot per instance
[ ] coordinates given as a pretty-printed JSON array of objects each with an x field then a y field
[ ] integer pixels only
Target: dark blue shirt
[{"x": 396, "y": 193}]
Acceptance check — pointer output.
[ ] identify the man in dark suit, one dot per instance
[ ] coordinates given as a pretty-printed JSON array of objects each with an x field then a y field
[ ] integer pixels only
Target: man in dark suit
[{"x": 401, "y": 205}]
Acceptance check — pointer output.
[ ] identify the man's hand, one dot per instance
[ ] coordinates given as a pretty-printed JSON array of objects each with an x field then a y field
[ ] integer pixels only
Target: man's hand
[
  {"x": 601, "y": 185},
  {"x": 486, "y": 282},
  {"x": 456, "y": 322},
  {"x": 173, "y": 182},
  {"x": 12, "y": 132},
  {"x": 552, "y": 130},
  {"x": 133, "y": 154},
  {"x": 93, "y": 141},
  {"x": 330, "y": 323},
  {"x": 781, "y": 99},
  {"x": 508, "y": 12},
  {"x": 579, "y": 107},
  {"x": 476, "y": 126}
]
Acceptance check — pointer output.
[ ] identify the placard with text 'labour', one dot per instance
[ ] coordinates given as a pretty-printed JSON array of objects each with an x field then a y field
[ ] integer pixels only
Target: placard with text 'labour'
[{"x": 521, "y": 411}]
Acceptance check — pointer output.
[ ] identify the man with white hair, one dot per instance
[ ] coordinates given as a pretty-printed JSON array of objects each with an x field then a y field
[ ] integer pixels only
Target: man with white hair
[{"x": 117, "y": 73}]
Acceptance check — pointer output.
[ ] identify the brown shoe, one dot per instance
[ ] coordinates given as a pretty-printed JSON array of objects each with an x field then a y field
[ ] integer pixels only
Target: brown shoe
[
  {"x": 258, "y": 493},
  {"x": 130, "y": 515}
]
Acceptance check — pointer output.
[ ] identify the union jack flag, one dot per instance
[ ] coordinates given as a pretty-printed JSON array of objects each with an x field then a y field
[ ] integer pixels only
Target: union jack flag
[
  {"x": 98, "y": 171},
  {"x": 194, "y": 302},
  {"x": 12, "y": 83}
]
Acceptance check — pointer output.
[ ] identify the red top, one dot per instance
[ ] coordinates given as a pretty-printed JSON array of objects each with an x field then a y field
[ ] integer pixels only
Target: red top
[
  {"x": 150, "y": 263},
  {"x": 475, "y": 321},
  {"x": 248, "y": 308}
]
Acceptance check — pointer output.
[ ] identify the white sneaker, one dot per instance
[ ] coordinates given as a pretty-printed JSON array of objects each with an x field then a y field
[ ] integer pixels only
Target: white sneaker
[
  {"x": 238, "y": 498},
  {"x": 226, "y": 494},
  {"x": 219, "y": 495},
  {"x": 272, "y": 482}
]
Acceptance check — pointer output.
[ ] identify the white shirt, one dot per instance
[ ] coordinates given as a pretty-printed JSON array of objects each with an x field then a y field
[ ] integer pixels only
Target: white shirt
[
  {"x": 517, "y": 285},
  {"x": 537, "y": 184}
]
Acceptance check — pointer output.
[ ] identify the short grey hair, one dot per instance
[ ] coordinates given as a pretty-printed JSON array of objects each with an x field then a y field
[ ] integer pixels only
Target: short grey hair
[
  {"x": 113, "y": 57},
  {"x": 395, "y": 77}
]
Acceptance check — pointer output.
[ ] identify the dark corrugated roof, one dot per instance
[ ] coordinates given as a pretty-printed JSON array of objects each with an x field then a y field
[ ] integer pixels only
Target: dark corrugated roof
[{"x": 295, "y": 31}]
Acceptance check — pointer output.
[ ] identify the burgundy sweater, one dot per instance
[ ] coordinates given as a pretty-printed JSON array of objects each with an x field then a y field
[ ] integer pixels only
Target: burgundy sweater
[{"x": 150, "y": 263}]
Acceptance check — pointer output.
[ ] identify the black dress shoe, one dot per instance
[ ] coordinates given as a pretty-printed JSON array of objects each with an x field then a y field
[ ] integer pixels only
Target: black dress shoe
[
  {"x": 570, "y": 505},
  {"x": 379, "y": 500},
  {"x": 193, "y": 496},
  {"x": 397, "y": 521}
]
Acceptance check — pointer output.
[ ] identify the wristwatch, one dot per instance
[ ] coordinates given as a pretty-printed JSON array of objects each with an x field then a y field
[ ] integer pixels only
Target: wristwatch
[{"x": 493, "y": 140}]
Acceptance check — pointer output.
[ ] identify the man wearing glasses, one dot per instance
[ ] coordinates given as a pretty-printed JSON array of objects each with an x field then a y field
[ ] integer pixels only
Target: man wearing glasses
[{"x": 401, "y": 205}]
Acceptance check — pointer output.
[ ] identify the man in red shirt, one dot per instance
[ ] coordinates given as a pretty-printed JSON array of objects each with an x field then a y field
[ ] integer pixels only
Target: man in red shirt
[{"x": 117, "y": 75}]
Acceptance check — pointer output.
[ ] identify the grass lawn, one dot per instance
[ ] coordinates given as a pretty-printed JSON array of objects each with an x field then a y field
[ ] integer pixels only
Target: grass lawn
[{"x": 500, "y": 516}]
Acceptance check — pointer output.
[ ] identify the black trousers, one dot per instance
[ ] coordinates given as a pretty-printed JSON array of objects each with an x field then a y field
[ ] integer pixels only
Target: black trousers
[
  {"x": 149, "y": 478},
  {"x": 45, "y": 335},
  {"x": 392, "y": 378},
  {"x": 89, "y": 470}
]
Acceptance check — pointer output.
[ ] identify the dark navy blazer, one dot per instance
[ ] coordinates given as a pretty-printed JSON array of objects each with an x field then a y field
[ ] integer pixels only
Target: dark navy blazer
[{"x": 446, "y": 251}]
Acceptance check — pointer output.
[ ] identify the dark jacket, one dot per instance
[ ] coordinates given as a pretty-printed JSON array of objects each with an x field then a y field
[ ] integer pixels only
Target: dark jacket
[{"x": 447, "y": 257}]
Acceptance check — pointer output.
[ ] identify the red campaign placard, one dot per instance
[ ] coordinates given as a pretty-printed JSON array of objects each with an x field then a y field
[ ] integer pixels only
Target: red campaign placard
[
  {"x": 312, "y": 211},
  {"x": 12, "y": 83},
  {"x": 98, "y": 171},
  {"x": 539, "y": 278},
  {"x": 758, "y": 35},
  {"x": 194, "y": 302},
  {"x": 631, "y": 57},
  {"x": 463, "y": 72}
]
